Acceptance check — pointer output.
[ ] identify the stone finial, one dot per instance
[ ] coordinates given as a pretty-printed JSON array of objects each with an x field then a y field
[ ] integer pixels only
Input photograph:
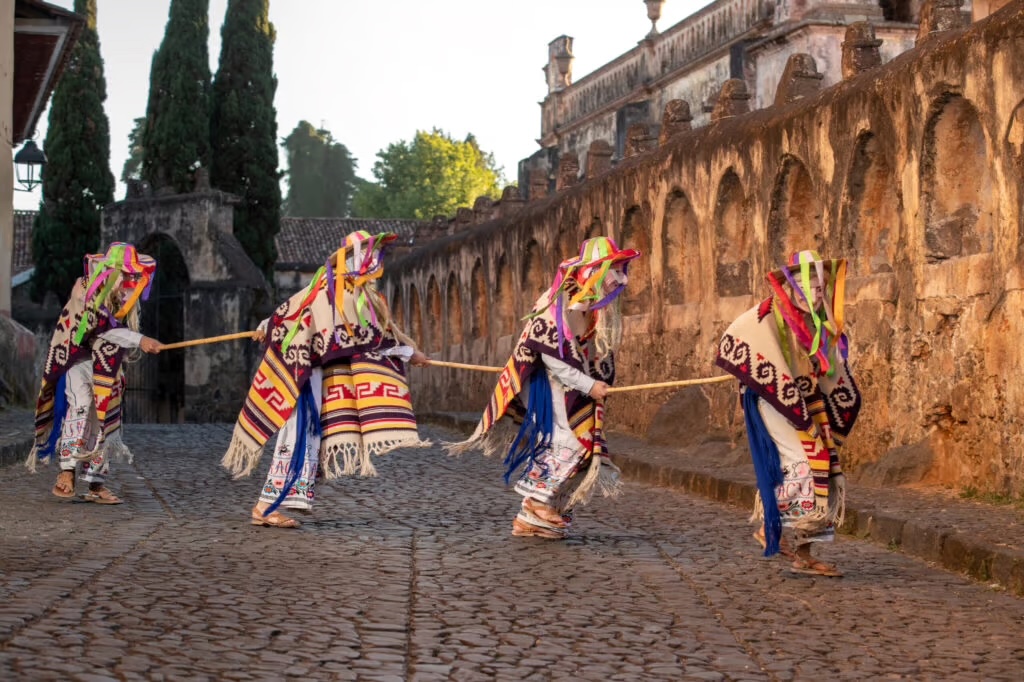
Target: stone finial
[
  {"x": 639, "y": 139},
  {"x": 559, "y": 66},
  {"x": 568, "y": 171},
  {"x": 511, "y": 200},
  {"x": 800, "y": 79},
  {"x": 675, "y": 120},
  {"x": 938, "y": 16},
  {"x": 733, "y": 100},
  {"x": 538, "y": 184},
  {"x": 599, "y": 158},
  {"x": 463, "y": 218},
  {"x": 860, "y": 49},
  {"x": 201, "y": 179},
  {"x": 483, "y": 209}
]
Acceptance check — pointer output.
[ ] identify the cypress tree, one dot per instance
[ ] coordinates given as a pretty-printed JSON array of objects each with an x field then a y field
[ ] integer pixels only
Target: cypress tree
[
  {"x": 243, "y": 128},
  {"x": 77, "y": 182},
  {"x": 321, "y": 174},
  {"x": 176, "y": 138}
]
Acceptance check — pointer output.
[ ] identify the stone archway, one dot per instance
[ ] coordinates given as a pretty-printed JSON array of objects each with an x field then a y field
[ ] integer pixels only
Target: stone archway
[
  {"x": 225, "y": 292},
  {"x": 681, "y": 251},
  {"x": 454, "y": 305},
  {"x": 505, "y": 317},
  {"x": 155, "y": 386},
  {"x": 432, "y": 325},
  {"x": 481, "y": 326}
]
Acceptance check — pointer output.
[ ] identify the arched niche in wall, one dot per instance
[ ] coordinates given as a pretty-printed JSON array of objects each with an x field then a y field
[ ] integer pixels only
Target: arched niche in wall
[
  {"x": 956, "y": 185},
  {"x": 397, "y": 307},
  {"x": 433, "y": 322},
  {"x": 1015, "y": 144},
  {"x": 568, "y": 242},
  {"x": 734, "y": 243},
  {"x": 680, "y": 239},
  {"x": 453, "y": 322},
  {"x": 533, "y": 276},
  {"x": 507, "y": 298},
  {"x": 869, "y": 229},
  {"x": 594, "y": 229},
  {"x": 794, "y": 219},
  {"x": 636, "y": 234},
  {"x": 481, "y": 324},
  {"x": 416, "y": 318}
]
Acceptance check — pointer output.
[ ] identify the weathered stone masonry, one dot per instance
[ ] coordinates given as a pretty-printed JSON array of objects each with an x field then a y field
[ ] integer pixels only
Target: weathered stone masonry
[{"x": 912, "y": 170}]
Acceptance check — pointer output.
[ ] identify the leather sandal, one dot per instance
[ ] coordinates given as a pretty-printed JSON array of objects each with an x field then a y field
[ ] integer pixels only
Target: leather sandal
[
  {"x": 102, "y": 496},
  {"x": 523, "y": 529},
  {"x": 274, "y": 520},
  {"x": 65, "y": 485},
  {"x": 812, "y": 566},
  {"x": 544, "y": 512}
]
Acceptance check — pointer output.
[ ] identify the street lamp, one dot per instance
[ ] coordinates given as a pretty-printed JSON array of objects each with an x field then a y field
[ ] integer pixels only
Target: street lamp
[{"x": 28, "y": 166}]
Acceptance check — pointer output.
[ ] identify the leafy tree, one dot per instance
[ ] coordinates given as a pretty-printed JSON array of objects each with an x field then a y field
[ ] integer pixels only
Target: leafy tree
[
  {"x": 321, "y": 174},
  {"x": 176, "y": 138},
  {"x": 77, "y": 182},
  {"x": 132, "y": 169},
  {"x": 243, "y": 128},
  {"x": 432, "y": 175}
]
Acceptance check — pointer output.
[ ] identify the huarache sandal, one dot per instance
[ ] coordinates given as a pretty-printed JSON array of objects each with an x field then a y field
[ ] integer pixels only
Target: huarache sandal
[
  {"x": 274, "y": 520},
  {"x": 65, "y": 485},
  {"x": 102, "y": 496},
  {"x": 815, "y": 567},
  {"x": 523, "y": 529},
  {"x": 544, "y": 512}
]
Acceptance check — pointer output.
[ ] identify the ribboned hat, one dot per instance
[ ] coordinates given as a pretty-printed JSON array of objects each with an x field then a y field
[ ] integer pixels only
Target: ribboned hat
[
  {"x": 822, "y": 267},
  {"x": 366, "y": 250},
  {"x": 136, "y": 270}
]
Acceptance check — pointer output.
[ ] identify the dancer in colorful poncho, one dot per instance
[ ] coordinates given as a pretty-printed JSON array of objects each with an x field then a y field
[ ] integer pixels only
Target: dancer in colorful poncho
[
  {"x": 332, "y": 381},
  {"x": 553, "y": 386},
  {"x": 78, "y": 411},
  {"x": 800, "y": 402}
]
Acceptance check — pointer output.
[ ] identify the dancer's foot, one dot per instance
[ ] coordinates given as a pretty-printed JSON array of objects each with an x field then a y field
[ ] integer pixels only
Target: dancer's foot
[{"x": 65, "y": 485}]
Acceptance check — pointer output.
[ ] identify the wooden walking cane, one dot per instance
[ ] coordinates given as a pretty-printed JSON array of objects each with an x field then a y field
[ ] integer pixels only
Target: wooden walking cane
[
  {"x": 460, "y": 365},
  {"x": 673, "y": 384},
  {"x": 209, "y": 339}
]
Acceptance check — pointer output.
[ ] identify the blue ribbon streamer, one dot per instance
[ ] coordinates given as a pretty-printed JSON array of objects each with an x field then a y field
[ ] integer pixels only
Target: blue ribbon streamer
[
  {"x": 538, "y": 426},
  {"x": 767, "y": 468},
  {"x": 307, "y": 421},
  {"x": 60, "y": 408}
]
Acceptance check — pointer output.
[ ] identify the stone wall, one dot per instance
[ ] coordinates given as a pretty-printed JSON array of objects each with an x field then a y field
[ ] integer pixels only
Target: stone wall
[
  {"x": 217, "y": 290},
  {"x": 911, "y": 170}
]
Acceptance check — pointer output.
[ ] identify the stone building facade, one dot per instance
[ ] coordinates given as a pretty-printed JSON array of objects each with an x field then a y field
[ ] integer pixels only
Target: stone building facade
[
  {"x": 913, "y": 170},
  {"x": 749, "y": 40}
]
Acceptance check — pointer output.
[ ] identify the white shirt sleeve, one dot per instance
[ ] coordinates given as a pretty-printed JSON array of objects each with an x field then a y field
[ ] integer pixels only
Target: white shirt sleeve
[
  {"x": 570, "y": 377},
  {"x": 262, "y": 326},
  {"x": 123, "y": 337}
]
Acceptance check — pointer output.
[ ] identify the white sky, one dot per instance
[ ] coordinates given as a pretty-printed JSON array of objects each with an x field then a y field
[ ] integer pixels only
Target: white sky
[{"x": 375, "y": 71}]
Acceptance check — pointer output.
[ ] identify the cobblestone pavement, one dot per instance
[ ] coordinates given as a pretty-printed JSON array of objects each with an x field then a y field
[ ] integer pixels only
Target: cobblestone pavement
[{"x": 413, "y": 575}]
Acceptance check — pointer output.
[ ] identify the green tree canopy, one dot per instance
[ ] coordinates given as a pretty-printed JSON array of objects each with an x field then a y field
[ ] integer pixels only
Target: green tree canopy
[
  {"x": 77, "y": 182},
  {"x": 432, "y": 175},
  {"x": 176, "y": 139},
  {"x": 243, "y": 128},
  {"x": 321, "y": 174},
  {"x": 132, "y": 169}
]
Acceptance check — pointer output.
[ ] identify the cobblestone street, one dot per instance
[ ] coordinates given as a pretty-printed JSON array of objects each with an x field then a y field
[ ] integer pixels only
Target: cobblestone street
[{"x": 414, "y": 575}]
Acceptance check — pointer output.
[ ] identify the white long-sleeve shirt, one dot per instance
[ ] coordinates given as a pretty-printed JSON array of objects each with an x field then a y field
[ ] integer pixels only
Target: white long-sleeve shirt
[{"x": 563, "y": 376}]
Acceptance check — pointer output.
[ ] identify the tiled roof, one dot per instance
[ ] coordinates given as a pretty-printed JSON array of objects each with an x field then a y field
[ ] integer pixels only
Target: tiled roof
[
  {"x": 302, "y": 242},
  {"x": 307, "y": 242},
  {"x": 22, "y": 260}
]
